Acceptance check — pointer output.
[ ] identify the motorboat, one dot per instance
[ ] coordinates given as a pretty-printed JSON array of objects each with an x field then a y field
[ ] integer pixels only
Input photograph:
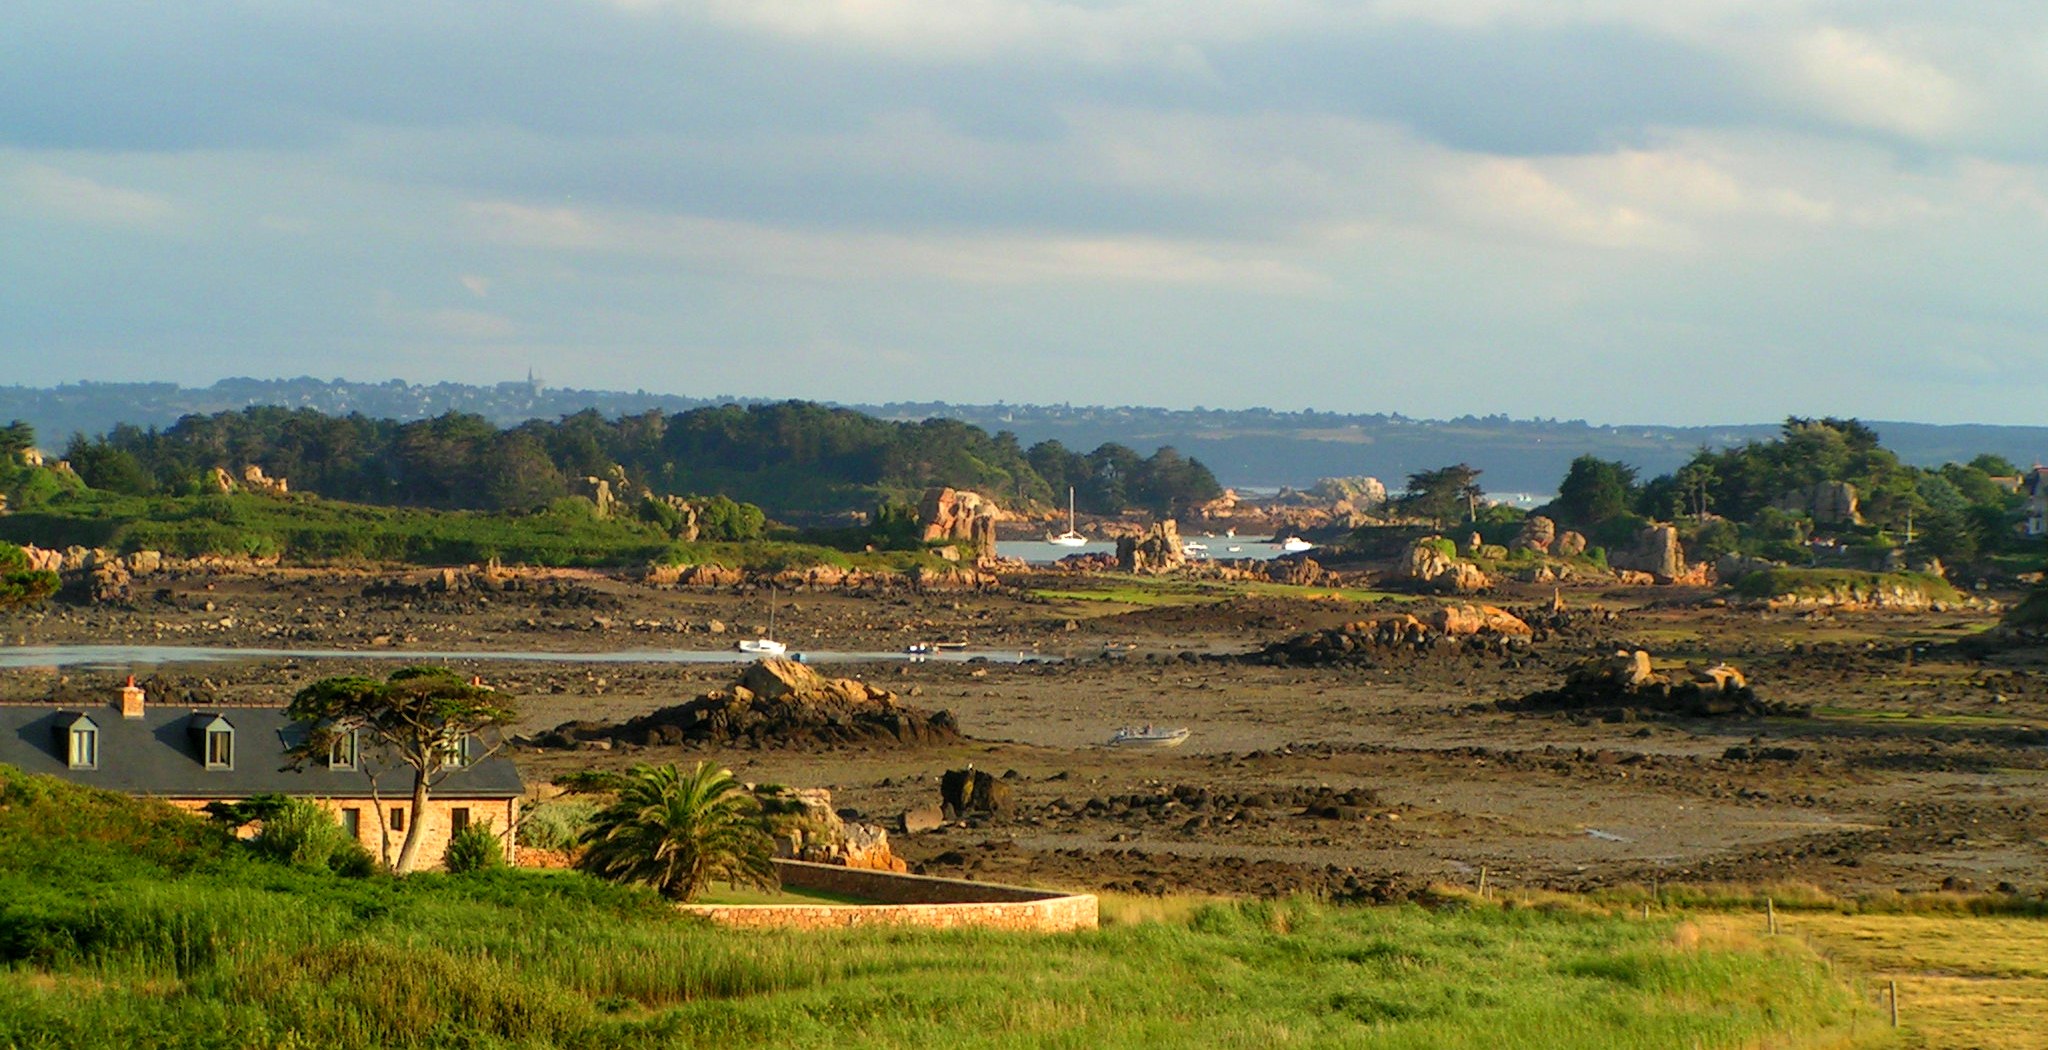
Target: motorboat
[
  {"x": 1295, "y": 545},
  {"x": 1149, "y": 737},
  {"x": 1069, "y": 538},
  {"x": 1194, "y": 549}
]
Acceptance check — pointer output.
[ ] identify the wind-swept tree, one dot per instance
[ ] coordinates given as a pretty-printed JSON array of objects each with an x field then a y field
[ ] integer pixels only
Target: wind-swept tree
[
  {"x": 679, "y": 832},
  {"x": 427, "y": 721},
  {"x": 1442, "y": 493}
]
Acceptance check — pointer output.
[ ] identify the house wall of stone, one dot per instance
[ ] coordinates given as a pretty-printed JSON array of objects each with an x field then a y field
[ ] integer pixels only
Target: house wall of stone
[{"x": 499, "y": 813}]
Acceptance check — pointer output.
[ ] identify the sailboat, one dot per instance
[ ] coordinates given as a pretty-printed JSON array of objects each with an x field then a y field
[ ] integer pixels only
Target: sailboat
[
  {"x": 766, "y": 645},
  {"x": 1069, "y": 538}
]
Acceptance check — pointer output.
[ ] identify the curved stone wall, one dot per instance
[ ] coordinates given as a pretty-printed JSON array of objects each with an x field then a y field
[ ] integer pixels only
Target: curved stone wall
[{"x": 907, "y": 900}]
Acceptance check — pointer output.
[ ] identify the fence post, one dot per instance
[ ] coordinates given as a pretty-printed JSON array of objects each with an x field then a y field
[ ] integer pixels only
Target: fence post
[
  {"x": 1482, "y": 882},
  {"x": 1892, "y": 987},
  {"x": 1771, "y": 910}
]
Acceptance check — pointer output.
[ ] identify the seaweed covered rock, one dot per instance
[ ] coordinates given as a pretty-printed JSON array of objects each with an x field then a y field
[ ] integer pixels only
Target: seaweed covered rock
[
  {"x": 1483, "y": 627},
  {"x": 1630, "y": 680},
  {"x": 776, "y": 703}
]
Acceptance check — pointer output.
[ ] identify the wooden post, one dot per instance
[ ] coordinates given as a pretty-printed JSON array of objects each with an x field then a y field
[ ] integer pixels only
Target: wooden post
[
  {"x": 1771, "y": 911},
  {"x": 1482, "y": 882},
  {"x": 1893, "y": 989}
]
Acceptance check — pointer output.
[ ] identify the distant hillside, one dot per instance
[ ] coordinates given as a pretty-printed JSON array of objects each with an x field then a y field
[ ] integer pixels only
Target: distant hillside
[{"x": 1243, "y": 447}]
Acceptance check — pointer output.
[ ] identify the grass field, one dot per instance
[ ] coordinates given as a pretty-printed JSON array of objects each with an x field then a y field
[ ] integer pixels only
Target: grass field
[{"x": 128, "y": 924}]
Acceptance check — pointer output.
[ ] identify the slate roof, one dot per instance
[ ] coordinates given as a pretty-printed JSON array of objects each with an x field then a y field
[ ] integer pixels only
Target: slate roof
[{"x": 161, "y": 754}]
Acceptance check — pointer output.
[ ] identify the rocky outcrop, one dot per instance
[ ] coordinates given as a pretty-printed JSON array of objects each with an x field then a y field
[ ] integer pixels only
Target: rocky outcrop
[
  {"x": 1656, "y": 552},
  {"x": 1360, "y": 494},
  {"x": 965, "y": 792},
  {"x": 600, "y": 494},
  {"x": 1430, "y": 566},
  {"x": 41, "y": 560},
  {"x": 1826, "y": 502},
  {"x": 1482, "y": 627},
  {"x": 1570, "y": 544},
  {"x": 960, "y": 516},
  {"x": 1157, "y": 550},
  {"x": 255, "y": 480},
  {"x": 776, "y": 703},
  {"x": 1732, "y": 566},
  {"x": 806, "y": 826},
  {"x": 1629, "y": 681},
  {"x": 1538, "y": 533}
]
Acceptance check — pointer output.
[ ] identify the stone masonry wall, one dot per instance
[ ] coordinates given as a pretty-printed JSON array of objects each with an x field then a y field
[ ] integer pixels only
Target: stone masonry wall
[{"x": 907, "y": 900}]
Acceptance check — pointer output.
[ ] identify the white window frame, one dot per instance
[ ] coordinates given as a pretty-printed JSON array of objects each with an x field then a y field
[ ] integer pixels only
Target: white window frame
[{"x": 82, "y": 732}]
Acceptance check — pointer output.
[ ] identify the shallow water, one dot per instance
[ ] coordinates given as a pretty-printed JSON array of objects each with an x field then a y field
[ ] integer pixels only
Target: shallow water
[
  {"x": 1039, "y": 552},
  {"x": 117, "y": 657}
]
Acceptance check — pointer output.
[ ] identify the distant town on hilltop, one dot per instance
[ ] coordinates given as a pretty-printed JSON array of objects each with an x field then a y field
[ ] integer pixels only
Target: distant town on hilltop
[{"x": 1246, "y": 448}]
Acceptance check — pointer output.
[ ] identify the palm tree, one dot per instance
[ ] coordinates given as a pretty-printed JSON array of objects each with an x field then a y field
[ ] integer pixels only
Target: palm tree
[{"x": 680, "y": 831}]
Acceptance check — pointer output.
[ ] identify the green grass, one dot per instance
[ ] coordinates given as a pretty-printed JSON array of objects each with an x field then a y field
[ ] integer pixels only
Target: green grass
[
  {"x": 1842, "y": 583},
  {"x": 307, "y": 529},
  {"x": 129, "y": 924}
]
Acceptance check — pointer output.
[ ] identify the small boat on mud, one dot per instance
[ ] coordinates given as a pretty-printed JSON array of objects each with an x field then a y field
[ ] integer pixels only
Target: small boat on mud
[
  {"x": 1149, "y": 737},
  {"x": 1295, "y": 545}
]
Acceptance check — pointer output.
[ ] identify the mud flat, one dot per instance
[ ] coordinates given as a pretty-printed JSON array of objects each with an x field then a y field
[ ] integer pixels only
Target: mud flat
[{"x": 1918, "y": 762}]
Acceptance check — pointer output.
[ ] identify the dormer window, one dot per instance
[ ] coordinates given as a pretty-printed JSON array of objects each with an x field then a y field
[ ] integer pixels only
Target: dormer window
[
  {"x": 345, "y": 751},
  {"x": 216, "y": 738},
  {"x": 82, "y": 744},
  {"x": 455, "y": 753}
]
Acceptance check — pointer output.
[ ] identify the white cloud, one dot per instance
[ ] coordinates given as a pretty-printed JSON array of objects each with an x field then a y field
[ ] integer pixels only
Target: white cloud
[
  {"x": 1863, "y": 80},
  {"x": 859, "y": 257},
  {"x": 41, "y": 190}
]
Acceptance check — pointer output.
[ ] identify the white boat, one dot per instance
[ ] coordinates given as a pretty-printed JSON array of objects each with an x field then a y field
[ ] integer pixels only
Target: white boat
[
  {"x": 1149, "y": 737},
  {"x": 766, "y": 645},
  {"x": 1193, "y": 549},
  {"x": 1295, "y": 545},
  {"x": 1069, "y": 538}
]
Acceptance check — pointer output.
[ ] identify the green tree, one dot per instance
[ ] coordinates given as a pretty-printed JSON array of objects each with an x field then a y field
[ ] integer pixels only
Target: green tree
[
  {"x": 1442, "y": 494},
  {"x": 425, "y": 721},
  {"x": 16, "y": 438},
  {"x": 678, "y": 832},
  {"x": 1594, "y": 490},
  {"x": 1695, "y": 482}
]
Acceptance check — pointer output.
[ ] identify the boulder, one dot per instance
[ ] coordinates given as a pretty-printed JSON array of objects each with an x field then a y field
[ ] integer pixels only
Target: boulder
[
  {"x": 42, "y": 560},
  {"x": 219, "y": 480},
  {"x": 1430, "y": 566},
  {"x": 599, "y": 492},
  {"x": 1537, "y": 534},
  {"x": 1656, "y": 551},
  {"x": 255, "y": 480},
  {"x": 1826, "y": 502},
  {"x": 1571, "y": 544},
  {"x": 1461, "y": 621},
  {"x": 966, "y": 791},
  {"x": 806, "y": 827},
  {"x": 1156, "y": 550},
  {"x": 1628, "y": 681},
  {"x": 960, "y": 516}
]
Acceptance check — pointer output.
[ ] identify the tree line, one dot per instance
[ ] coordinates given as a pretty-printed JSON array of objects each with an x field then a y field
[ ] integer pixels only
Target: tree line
[
  {"x": 1747, "y": 499},
  {"x": 791, "y": 458}
]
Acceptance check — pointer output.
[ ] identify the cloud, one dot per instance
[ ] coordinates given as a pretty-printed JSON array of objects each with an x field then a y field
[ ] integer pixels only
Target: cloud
[
  {"x": 866, "y": 258},
  {"x": 47, "y": 192},
  {"x": 1861, "y": 80}
]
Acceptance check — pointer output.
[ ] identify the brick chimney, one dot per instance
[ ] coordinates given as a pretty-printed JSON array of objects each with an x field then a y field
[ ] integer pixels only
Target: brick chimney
[{"x": 131, "y": 699}]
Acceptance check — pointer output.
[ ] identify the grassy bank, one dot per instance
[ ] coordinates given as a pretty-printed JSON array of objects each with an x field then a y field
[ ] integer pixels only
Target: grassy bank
[
  {"x": 1843, "y": 585},
  {"x": 126, "y": 924}
]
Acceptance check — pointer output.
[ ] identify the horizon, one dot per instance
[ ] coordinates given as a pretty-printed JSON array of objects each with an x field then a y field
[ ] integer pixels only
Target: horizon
[{"x": 741, "y": 398}]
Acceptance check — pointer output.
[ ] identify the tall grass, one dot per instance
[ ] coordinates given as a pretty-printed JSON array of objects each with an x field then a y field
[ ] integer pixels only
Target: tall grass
[{"x": 202, "y": 943}]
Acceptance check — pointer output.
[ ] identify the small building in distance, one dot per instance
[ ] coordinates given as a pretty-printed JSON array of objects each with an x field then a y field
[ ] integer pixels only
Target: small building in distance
[
  {"x": 2034, "y": 483},
  {"x": 191, "y": 756}
]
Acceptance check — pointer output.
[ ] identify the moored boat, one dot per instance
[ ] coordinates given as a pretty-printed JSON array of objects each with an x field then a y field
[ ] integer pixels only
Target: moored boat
[{"x": 1149, "y": 737}]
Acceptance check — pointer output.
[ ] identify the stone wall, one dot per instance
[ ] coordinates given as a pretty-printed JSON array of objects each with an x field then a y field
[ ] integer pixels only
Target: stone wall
[{"x": 907, "y": 900}]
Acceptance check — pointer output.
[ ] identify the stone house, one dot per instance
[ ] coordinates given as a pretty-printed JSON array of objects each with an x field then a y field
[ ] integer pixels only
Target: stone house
[{"x": 190, "y": 756}]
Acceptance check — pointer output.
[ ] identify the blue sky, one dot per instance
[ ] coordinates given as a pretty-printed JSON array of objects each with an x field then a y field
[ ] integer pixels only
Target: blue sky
[{"x": 1673, "y": 212}]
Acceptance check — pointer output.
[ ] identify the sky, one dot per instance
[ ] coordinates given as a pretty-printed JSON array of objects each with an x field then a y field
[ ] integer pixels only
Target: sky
[{"x": 1654, "y": 211}]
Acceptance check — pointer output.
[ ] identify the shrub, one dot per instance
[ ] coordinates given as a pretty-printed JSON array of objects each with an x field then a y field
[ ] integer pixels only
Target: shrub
[
  {"x": 556, "y": 825},
  {"x": 474, "y": 847},
  {"x": 303, "y": 835}
]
